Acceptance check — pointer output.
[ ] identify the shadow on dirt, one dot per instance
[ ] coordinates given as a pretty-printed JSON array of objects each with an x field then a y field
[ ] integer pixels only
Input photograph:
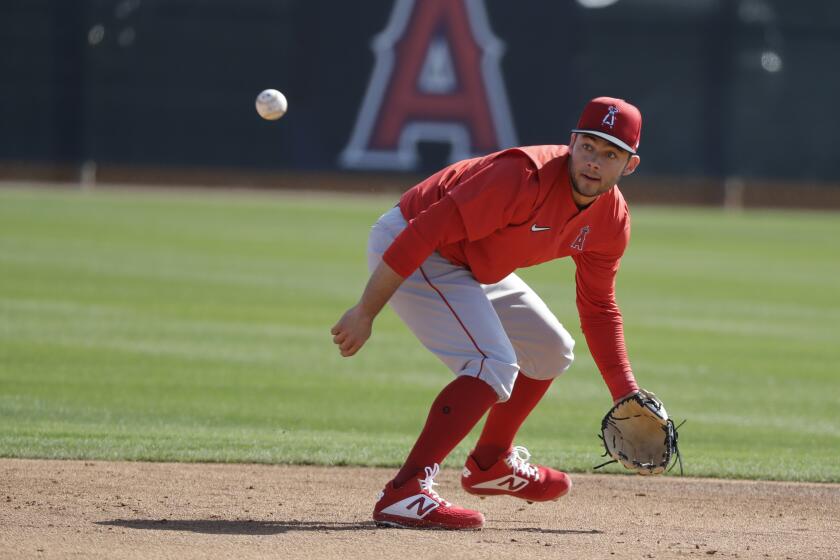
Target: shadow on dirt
[
  {"x": 558, "y": 531},
  {"x": 234, "y": 527},
  {"x": 251, "y": 527}
]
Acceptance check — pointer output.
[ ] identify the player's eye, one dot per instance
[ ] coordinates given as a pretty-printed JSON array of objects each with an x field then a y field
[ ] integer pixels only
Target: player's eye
[{"x": 612, "y": 155}]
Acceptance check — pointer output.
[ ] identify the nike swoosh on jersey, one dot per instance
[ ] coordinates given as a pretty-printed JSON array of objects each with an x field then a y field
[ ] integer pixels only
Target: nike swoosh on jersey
[{"x": 535, "y": 227}]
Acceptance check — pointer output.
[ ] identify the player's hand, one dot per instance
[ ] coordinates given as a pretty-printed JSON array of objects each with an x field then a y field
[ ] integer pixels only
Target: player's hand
[{"x": 352, "y": 331}]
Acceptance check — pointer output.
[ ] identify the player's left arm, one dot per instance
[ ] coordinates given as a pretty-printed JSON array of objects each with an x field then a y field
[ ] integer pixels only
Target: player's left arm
[{"x": 601, "y": 319}]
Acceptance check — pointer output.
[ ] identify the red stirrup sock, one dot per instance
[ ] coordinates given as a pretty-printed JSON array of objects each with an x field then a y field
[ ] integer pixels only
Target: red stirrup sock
[
  {"x": 506, "y": 418},
  {"x": 455, "y": 411}
]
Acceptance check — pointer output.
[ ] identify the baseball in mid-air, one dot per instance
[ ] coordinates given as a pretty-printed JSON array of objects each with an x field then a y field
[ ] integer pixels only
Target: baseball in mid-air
[{"x": 271, "y": 104}]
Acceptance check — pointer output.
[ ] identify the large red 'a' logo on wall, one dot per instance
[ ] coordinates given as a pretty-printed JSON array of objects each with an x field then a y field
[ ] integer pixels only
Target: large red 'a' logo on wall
[{"x": 437, "y": 78}]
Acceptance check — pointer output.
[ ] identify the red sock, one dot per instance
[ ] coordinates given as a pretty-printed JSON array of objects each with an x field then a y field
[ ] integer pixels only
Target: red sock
[
  {"x": 505, "y": 419},
  {"x": 455, "y": 411}
]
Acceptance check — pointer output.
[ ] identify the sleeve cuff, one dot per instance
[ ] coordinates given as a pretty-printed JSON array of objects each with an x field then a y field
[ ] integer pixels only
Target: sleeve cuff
[
  {"x": 407, "y": 252},
  {"x": 620, "y": 383}
]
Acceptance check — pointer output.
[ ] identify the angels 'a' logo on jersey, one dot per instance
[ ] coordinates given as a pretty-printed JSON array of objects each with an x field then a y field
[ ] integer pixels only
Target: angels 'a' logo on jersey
[
  {"x": 609, "y": 118},
  {"x": 437, "y": 78},
  {"x": 580, "y": 239}
]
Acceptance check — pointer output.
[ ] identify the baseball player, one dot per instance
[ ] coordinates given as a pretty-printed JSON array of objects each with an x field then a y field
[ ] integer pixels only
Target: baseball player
[{"x": 444, "y": 258}]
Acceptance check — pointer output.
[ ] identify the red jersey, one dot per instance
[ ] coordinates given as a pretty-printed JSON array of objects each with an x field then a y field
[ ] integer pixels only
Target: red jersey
[{"x": 513, "y": 209}]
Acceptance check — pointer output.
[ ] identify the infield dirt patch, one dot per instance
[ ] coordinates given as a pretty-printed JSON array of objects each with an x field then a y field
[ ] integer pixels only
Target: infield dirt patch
[{"x": 83, "y": 509}]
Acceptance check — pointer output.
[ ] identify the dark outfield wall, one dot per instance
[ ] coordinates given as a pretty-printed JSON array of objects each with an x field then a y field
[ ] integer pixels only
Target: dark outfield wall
[{"x": 726, "y": 87}]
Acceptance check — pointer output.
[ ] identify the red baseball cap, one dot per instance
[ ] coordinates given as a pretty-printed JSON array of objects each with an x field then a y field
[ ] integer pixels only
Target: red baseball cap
[{"x": 614, "y": 120}]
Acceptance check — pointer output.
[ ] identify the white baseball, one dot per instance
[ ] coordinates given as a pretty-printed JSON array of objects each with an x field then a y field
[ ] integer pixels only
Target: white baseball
[{"x": 271, "y": 104}]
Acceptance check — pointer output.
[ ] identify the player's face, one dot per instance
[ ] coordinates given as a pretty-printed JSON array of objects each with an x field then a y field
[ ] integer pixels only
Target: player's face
[{"x": 596, "y": 165}]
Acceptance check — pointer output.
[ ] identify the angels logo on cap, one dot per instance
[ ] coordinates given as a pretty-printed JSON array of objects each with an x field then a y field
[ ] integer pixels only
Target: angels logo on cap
[
  {"x": 614, "y": 120},
  {"x": 609, "y": 119}
]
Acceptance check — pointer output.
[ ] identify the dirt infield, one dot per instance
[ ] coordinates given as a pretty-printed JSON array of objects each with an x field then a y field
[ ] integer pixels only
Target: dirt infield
[{"x": 76, "y": 509}]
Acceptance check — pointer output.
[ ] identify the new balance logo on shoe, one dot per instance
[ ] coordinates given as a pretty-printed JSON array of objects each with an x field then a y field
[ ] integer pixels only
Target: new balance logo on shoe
[
  {"x": 514, "y": 483},
  {"x": 511, "y": 483},
  {"x": 414, "y": 507},
  {"x": 422, "y": 508}
]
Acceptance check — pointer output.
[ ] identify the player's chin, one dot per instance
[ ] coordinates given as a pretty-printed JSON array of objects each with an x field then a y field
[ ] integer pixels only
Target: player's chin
[{"x": 588, "y": 186}]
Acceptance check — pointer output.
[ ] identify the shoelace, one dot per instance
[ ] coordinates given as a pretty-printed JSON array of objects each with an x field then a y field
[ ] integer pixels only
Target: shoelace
[
  {"x": 427, "y": 484},
  {"x": 520, "y": 464}
]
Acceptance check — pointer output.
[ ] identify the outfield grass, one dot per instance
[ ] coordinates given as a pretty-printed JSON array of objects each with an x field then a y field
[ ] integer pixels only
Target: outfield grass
[{"x": 194, "y": 326}]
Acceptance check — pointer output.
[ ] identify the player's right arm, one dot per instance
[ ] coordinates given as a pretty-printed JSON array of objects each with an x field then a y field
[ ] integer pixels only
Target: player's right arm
[
  {"x": 478, "y": 206},
  {"x": 354, "y": 327},
  {"x": 495, "y": 193}
]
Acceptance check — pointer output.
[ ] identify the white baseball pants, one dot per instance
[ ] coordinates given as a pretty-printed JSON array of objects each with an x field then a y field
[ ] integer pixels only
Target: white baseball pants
[{"x": 489, "y": 331}]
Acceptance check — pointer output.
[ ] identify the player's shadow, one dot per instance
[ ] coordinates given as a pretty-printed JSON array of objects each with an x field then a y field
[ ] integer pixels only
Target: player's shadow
[
  {"x": 251, "y": 527},
  {"x": 235, "y": 527},
  {"x": 559, "y": 531}
]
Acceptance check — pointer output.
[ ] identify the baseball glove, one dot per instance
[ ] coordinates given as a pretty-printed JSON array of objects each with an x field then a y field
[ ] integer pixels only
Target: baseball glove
[{"x": 638, "y": 434}]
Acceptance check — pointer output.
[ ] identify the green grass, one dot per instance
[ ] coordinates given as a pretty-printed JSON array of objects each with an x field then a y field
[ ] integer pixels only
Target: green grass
[{"x": 194, "y": 326}]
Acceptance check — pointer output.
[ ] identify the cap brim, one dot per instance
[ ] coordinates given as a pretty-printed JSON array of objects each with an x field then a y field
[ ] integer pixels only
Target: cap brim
[{"x": 608, "y": 137}]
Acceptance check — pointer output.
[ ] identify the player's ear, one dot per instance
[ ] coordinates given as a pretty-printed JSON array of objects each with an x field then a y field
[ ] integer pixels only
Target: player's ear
[{"x": 632, "y": 164}]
